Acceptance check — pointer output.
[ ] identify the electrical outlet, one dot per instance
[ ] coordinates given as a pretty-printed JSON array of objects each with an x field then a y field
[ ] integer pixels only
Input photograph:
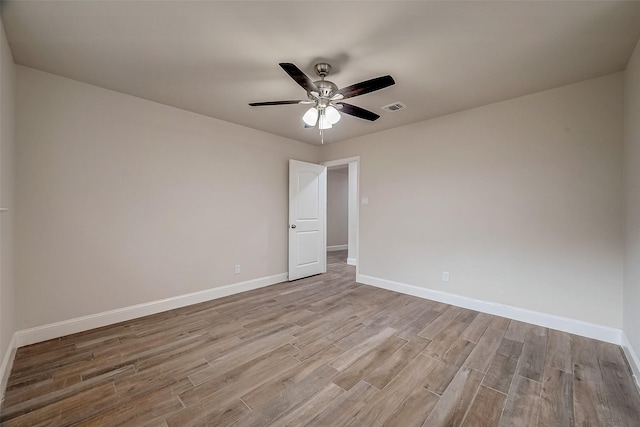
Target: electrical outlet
[
  {"x": 445, "y": 276},
  {"x": 238, "y": 269}
]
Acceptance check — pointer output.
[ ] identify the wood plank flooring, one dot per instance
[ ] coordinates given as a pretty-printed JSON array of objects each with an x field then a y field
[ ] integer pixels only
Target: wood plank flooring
[{"x": 322, "y": 351}]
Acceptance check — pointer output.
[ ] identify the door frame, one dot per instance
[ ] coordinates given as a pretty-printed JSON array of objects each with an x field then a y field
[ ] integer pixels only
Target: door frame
[{"x": 354, "y": 220}]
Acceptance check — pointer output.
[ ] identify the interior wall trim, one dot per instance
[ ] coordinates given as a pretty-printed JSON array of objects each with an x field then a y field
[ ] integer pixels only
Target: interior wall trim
[
  {"x": 573, "y": 326},
  {"x": 59, "y": 329},
  {"x": 337, "y": 248},
  {"x": 7, "y": 364},
  {"x": 632, "y": 358},
  {"x": 351, "y": 261},
  {"x": 79, "y": 324}
]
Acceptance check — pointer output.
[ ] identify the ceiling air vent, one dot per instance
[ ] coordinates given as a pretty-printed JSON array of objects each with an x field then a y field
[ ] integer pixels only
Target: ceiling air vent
[{"x": 394, "y": 107}]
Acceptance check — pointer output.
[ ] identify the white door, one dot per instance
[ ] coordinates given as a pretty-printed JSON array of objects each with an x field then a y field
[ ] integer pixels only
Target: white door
[{"x": 307, "y": 219}]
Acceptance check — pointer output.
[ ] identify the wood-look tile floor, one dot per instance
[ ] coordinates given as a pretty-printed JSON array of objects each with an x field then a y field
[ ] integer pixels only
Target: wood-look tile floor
[{"x": 323, "y": 351}]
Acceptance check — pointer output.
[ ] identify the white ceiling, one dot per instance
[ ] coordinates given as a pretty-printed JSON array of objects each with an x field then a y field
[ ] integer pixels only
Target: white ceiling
[{"x": 213, "y": 58}]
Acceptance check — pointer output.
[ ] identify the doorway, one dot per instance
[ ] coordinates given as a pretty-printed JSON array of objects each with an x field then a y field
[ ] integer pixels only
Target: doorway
[
  {"x": 338, "y": 208},
  {"x": 342, "y": 230}
]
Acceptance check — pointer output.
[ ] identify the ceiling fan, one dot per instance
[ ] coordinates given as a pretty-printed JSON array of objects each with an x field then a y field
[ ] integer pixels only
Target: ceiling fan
[{"x": 326, "y": 97}]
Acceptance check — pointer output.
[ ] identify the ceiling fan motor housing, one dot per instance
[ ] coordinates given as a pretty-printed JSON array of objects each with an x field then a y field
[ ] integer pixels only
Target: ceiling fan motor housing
[{"x": 325, "y": 88}]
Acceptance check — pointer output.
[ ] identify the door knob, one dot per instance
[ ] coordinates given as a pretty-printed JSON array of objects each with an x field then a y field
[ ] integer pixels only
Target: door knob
[{"x": 293, "y": 226}]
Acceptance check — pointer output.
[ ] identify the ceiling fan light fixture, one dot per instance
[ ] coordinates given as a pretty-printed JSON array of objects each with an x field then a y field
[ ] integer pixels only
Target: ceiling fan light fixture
[
  {"x": 310, "y": 117},
  {"x": 332, "y": 115}
]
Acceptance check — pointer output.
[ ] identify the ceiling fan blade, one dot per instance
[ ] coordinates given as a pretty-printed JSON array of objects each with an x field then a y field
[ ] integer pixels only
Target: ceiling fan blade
[
  {"x": 261, "y": 104},
  {"x": 366, "y": 87},
  {"x": 301, "y": 78},
  {"x": 358, "y": 112}
]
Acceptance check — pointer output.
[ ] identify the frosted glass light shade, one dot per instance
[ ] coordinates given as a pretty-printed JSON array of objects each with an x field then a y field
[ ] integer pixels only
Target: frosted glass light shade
[
  {"x": 324, "y": 123},
  {"x": 333, "y": 116},
  {"x": 310, "y": 117}
]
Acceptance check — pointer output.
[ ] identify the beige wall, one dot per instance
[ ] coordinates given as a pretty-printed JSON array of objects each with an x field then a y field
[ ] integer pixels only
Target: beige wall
[
  {"x": 632, "y": 201},
  {"x": 7, "y": 137},
  {"x": 338, "y": 207},
  {"x": 520, "y": 201},
  {"x": 124, "y": 201}
]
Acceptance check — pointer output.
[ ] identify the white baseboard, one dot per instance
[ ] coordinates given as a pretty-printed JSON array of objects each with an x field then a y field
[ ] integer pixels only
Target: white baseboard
[
  {"x": 337, "y": 248},
  {"x": 573, "y": 326},
  {"x": 351, "y": 261},
  {"x": 79, "y": 324},
  {"x": 7, "y": 364},
  {"x": 632, "y": 358},
  {"x": 71, "y": 326}
]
